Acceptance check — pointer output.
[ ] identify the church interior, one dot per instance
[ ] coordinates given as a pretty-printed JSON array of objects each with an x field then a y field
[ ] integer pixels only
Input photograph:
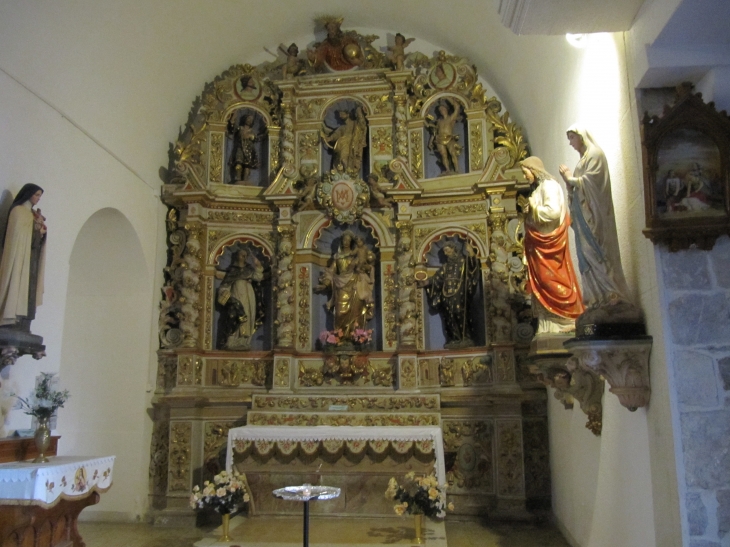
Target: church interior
[{"x": 334, "y": 244}]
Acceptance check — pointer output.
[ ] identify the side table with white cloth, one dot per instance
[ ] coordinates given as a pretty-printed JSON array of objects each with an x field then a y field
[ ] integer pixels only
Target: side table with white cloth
[{"x": 43, "y": 500}]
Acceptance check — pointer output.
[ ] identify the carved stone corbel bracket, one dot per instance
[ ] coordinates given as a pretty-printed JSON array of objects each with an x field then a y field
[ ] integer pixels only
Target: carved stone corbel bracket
[
  {"x": 623, "y": 363},
  {"x": 572, "y": 383}
]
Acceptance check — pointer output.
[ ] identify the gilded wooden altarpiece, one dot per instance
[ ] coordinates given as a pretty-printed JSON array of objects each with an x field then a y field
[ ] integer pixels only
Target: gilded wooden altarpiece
[{"x": 277, "y": 162}]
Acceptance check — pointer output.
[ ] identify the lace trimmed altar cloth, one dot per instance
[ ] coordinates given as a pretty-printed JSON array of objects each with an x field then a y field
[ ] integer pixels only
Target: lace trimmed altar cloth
[
  {"x": 45, "y": 484},
  {"x": 426, "y": 439}
]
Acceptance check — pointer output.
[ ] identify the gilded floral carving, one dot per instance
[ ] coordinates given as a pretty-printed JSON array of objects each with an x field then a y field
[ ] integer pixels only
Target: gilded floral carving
[
  {"x": 308, "y": 146},
  {"x": 303, "y": 311},
  {"x": 216, "y": 157},
  {"x": 417, "y": 154},
  {"x": 470, "y": 444},
  {"x": 476, "y": 147},
  {"x": 179, "y": 459},
  {"x": 189, "y": 370},
  {"x": 453, "y": 210},
  {"x": 510, "y": 478}
]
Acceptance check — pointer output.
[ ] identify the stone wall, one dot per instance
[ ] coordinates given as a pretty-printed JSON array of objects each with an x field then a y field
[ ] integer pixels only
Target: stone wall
[{"x": 698, "y": 315}]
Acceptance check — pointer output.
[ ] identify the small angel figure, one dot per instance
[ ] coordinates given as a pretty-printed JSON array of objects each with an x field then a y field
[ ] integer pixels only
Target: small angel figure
[
  {"x": 398, "y": 51},
  {"x": 307, "y": 193},
  {"x": 377, "y": 197},
  {"x": 293, "y": 65}
]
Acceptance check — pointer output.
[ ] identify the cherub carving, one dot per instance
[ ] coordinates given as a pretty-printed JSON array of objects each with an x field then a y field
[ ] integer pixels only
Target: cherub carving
[{"x": 398, "y": 51}]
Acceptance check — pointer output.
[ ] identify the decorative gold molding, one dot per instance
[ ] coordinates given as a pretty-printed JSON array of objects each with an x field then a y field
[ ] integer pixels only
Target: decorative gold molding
[
  {"x": 247, "y": 217},
  {"x": 471, "y": 443},
  {"x": 179, "y": 458},
  {"x": 303, "y": 311},
  {"x": 309, "y": 146},
  {"x": 309, "y": 109},
  {"x": 189, "y": 370},
  {"x": 417, "y": 154},
  {"x": 380, "y": 104},
  {"x": 382, "y": 141},
  {"x": 453, "y": 210},
  {"x": 510, "y": 472},
  {"x": 354, "y": 403},
  {"x": 216, "y": 157},
  {"x": 476, "y": 147}
]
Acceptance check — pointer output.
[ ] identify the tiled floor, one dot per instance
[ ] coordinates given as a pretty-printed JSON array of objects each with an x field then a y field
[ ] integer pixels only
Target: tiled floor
[{"x": 277, "y": 531}]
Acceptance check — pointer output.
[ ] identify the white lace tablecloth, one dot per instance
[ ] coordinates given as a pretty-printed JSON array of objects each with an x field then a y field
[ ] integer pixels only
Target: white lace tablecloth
[
  {"x": 63, "y": 477},
  {"x": 344, "y": 433}
]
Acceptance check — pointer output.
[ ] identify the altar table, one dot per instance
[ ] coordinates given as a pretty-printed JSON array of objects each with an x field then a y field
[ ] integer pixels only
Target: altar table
[
  {"x": 40, "y": 502},
  {"x": 283, "y": 435}
]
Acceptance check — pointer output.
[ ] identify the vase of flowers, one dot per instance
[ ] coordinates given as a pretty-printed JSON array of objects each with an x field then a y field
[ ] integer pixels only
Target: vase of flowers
[
  {"x": 419, "y": 496},
  {"x": 225, "y": 494},
  {"x": 43, "y": 404}
]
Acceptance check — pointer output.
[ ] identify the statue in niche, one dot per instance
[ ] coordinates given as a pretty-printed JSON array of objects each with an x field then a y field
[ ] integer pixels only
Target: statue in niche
[
  {"x": 443, "y": 141},
  {"x": 243, "y": 156},
  {"x": 347, "y": 141},
  {"x": 350, "y": 279},
  {"x": 241, "y": 301},
  {"x": 605, "y": 293},
  {"x": 398, "y": 51},
  {"x": 23, "y": 259},
  {"x": 557, "y": 299},
  {"x": 452, "y": 290},
  {"x": 338, "y": 51},
  {"x": 294, "y": 66}
]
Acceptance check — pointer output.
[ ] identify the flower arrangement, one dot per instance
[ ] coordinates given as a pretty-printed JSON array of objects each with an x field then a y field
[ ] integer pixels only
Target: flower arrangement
[
  {"x": 337, "y": 337},
  {"x": 362, "y": 336},
  {"x": 44, "y": 401},
  {"x": 419, "y": 496},
  {"x": 226, "y": 494}
]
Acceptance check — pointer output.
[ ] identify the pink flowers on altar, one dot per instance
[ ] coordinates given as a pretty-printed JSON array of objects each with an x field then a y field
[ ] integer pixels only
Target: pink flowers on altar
[
  {"x": 332, "y": 337},
  {"x": 336, "y": 337},
  {"x": 362, "y": 336}
]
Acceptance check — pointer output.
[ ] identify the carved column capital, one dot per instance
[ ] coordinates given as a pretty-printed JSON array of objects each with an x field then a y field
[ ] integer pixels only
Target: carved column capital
[{"x": 623, "y": 363}]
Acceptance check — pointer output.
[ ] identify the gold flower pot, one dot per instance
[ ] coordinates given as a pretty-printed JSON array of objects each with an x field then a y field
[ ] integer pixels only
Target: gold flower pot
[
  {"x": 226, "y": 524},
  {"x": 419, "y": 529},
  {"x": 42, "y": 439}
]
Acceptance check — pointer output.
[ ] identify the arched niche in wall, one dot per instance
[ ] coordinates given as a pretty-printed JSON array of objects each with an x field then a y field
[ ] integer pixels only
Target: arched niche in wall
[{"x": 106, "y": 349}]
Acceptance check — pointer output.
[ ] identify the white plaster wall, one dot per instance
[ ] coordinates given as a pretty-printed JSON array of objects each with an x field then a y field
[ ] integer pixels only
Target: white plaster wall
[{"x": 79, "y": 178}]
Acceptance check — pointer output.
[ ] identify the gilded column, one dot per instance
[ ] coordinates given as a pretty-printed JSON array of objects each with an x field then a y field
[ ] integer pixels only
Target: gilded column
[
  {"x": 284, "y": 322},
  {"x": 287, "y": 136},
  {"x": 401, "y": 130},
  {"x": 406, "y": 284},
  {"x": 190, "y": 286}
]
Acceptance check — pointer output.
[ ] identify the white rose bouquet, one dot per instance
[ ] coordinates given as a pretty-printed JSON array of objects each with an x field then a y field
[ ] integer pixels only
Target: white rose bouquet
[{"x": 226, "y": 494}]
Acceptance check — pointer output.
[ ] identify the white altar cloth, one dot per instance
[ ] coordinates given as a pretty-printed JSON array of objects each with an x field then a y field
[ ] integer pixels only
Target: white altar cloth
[
  {"x": 67, "y": 477},
  {"x": 343, "y": 433}
]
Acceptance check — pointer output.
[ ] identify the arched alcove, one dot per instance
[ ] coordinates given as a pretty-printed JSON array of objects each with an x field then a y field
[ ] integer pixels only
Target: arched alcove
[{"x": 105, "y": 353}]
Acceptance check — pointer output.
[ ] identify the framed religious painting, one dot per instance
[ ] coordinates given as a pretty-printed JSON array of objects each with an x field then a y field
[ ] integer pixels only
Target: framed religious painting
[{"x": 686, "y": 183}]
